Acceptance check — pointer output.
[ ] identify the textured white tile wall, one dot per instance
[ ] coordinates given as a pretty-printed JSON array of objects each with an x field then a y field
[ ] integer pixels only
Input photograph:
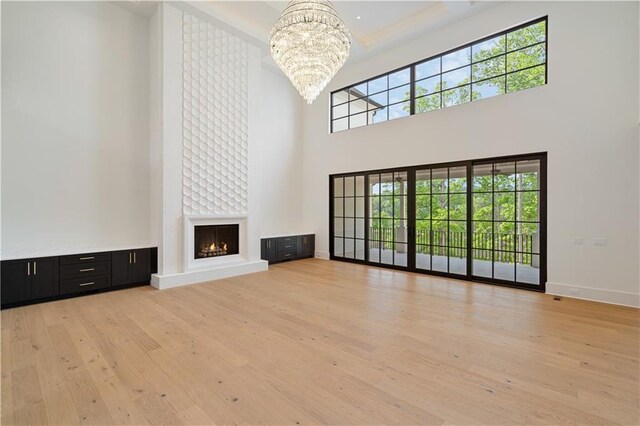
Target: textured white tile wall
[{"x": 215, "y": 120}]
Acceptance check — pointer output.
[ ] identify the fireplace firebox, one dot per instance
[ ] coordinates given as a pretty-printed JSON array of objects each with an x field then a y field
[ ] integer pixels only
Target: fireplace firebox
[{"x": 215, "y": 240}]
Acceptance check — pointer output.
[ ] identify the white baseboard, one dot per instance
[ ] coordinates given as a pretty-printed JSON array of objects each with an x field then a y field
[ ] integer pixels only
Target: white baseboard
[
  {"x": 163, "y": 282},
  {"x": 594, "y": 294},
  {"x": 322, "y": 255}
]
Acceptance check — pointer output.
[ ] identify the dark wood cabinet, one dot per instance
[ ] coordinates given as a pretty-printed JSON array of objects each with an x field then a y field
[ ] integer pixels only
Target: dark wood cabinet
[
  {"x": 29, "y": 279},
  {"x": 26, "y": 281},
  {"x": 281, "y": 249},
  {"x": 269, "y": 249},
  {"x": 130, "y": 267}
]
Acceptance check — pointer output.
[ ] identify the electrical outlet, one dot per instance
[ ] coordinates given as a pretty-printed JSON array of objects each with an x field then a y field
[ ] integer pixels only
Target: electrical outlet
[
  {"x": 600, "y": 242},
  {"x": 577, "y": 241}
]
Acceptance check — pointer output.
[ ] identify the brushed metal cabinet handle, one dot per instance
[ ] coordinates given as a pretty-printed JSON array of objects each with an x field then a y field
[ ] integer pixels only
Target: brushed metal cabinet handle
[
  {"x": 86, "y": 284},
  {"x": 129, "y": 257},
  {"x": 87, "y": 258},
  {"x": 28, "y": 268},
  {"x": 134, "y": 257},
  {"x": 87, "y": 270},
  {"x": 35, "y": 268}
]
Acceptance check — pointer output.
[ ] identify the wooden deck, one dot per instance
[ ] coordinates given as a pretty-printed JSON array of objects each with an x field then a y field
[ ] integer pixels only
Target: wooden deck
[{"x": 315, "y": 341}]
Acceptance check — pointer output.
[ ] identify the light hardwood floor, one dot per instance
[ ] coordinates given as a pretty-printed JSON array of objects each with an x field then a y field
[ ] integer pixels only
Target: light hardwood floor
[{"x": 316, "y": 341}]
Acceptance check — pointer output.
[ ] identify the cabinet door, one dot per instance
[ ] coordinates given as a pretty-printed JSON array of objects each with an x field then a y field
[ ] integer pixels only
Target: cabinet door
[
  {"x": 44, "y": 278},
  {"x": 300, "y": 246},
  {"x": 120, "y": 267},
  {"x": 309, "y": 248},
  {"x": 141, "y": 266},
  {"x": 15, "y": 282}
]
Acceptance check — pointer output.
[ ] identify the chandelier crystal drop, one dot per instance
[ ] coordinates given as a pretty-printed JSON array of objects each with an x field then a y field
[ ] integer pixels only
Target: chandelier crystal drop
[{"x": 310, "y": 43}]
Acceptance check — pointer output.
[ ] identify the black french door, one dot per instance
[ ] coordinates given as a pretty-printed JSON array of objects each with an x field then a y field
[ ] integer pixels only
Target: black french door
[{"x": 481, "y": 220}]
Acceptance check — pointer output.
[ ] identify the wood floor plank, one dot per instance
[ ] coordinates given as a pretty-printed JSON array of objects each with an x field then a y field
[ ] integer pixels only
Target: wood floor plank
[{"x": 321, "y": 342}]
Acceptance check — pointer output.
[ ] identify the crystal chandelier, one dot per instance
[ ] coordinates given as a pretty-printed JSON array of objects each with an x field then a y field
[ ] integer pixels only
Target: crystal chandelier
[{"x": 310, "y": 43}]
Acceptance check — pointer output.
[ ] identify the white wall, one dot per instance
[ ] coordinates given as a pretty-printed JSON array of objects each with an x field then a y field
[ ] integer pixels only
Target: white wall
[
  {"x": 75, "y": 152},
  {"x": 281, "y": 155},
  {"x": 586, "y": 118}
]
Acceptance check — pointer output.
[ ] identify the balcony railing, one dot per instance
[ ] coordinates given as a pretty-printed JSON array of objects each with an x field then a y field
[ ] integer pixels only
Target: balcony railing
[{"x": 505, "y": 247}]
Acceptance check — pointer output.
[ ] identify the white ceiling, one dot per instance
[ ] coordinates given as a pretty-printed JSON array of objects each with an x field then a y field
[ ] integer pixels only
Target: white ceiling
[{"x": 382, "y": 24}]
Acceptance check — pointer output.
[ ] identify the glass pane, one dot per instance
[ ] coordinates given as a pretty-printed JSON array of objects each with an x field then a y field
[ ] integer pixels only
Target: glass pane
[
  {"x": 439, "y": 260},
  {"x": 526, "y": 79},
  {"x": 488, "y": 48},
  {"x": 458, "y": 179},
  {"x": 349, "y": 207},
  {"x": 439, "y": 180},
  {"x": 380, "y": 115},
  {"x": 400, "y": 183},
  {"x": 338, "y": 247},
  {"x": 360, "y": 207},
  {"x": 439, "y": 233},
  {"x": 360, "y": 185},
  {"x": 526, "y": 36},
  {"x": 458, "y": 206},
  {"x": 428, "y": 103},
  {"x": 359, "y": 91},
  {"x": 338, "y": 187},
  {"x": 378, "y": 85},
  {"x": 399, "y": 78},
  {"x": 359, "y": 228},
  {"x": 528, "y": 174},
  {"x": 457, "y": 261},
  {"x": 349, "y": 183},
  {"x": 378, "y": 100},
  {"x": 341, "y": 111},
  {"x": 457, "y": 234},
  {"x": 439, "y": 206},
  {"x": 456, "y": 78},
  {"x": 423, "y": 257},
  {"x": 489, "y": 88},
  {"x": 374, "y": 184},
  {"x": 400, "y": 258},
  {"x": 527, "y": 207},
  {"x": 399, "y": 110},
  {"x": 482, "y": 237},
  {"x": 482, "y": 267},
  {"x": 488, "y": 68},
  {"x": 360, "y": 249},
  {"x": 504, "y": 206},
  {"x": 482, "y": 206},
  {"x": 528, "y": 270},
  {"x": 399, "y": 94},
  {"x": 503, "y": 266},
  {"x": 374, "y": 251},
  {"x": 340, "y": 97},
  {"x": 349, "y": 248},
  {"x": 534, "y": 55},
  {"x": 423, "y": 207},
  {"x": 456, "y": 59},
  {"x": 427, "y": 86},
  {"x": 386, "y": 253},
  {"x": 504, "y": 178},
  {"x": 457, "y": 96},
  {"x": 338, "y": 227},
  {"x": 528, "y": 237},
  {"x": 423, "y": 181},
  {"x": 423, "y": 232},
  {"x": 483, "y": 178},
  {"x": 349, "y": 227},
  {"x": 358, "y": 120},
  {"x": 338, "y": 207},
  {"x": 504, "y": 236},
  {"x": 400, "y": 228},
  {"x": 359, "y": 106},
  {"x": 341, "y": 124},
  {"x": 427, "y": 69}
]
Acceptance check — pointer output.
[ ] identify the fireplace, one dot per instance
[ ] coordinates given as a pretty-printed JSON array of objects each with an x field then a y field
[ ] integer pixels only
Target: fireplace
[{"x": 215, "y": 240}]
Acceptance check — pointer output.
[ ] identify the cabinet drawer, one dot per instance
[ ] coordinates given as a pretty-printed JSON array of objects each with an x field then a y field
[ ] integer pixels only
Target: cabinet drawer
[
  {"x": 286, "y": 240},
  {"x": 286, "y": 246},
  {"x": 288, "y": 254},
  {"x": 81, "y": 270},
  {"x": 85, "y": 258},
  {"x": 79, "y": 285}
]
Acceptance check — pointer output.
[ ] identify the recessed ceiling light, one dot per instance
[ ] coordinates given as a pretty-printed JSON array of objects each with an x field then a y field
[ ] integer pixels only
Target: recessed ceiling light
[{"x": 358, "y": 17}]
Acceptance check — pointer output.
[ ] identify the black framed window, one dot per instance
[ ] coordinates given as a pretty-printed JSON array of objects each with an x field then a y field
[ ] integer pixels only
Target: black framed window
[{"x": 509, "y": 61}]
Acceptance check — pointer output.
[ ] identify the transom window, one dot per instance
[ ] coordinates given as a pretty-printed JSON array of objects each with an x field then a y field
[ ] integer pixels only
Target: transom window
[{"x": 509, "y": 61}]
